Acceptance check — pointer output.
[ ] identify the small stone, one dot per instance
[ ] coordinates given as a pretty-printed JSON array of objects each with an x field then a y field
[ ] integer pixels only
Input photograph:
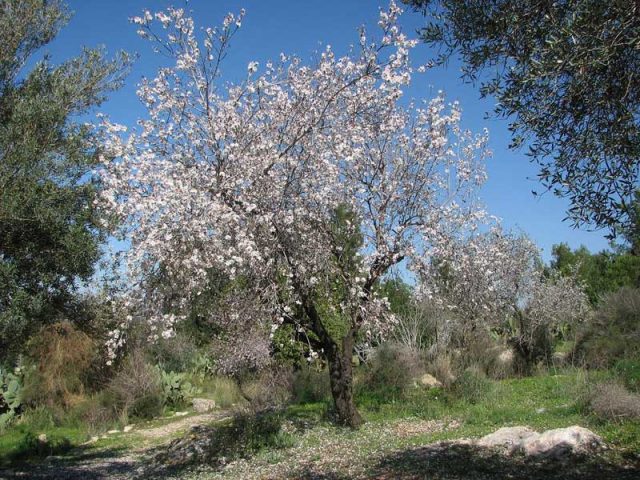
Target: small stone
[
  {"x": 42, "y": 438},
  {"x": 111, "y": 432},
  {"x": 203, "y": 405},
  {"x": 127, "y": 428},
  {"x": 541, "y": 410},
  {"x": 429, "y": 381},
  {"x": 181, "y": 414}
]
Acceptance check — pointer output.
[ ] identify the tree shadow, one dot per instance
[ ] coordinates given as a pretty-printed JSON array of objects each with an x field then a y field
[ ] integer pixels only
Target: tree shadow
[
  {"x": 450, "y": 461},
  {"x": 79, "y": 463}
]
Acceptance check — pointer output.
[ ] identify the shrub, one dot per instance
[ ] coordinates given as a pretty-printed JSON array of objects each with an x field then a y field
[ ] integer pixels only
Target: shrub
[
  {"x": 472, "y": 385},
  {"x": 270, "y": 388},
  {"x": 442, "y": 367},
  {"x": 628, "y": 371},
  {"x": 176, "y": 388},
  {"x": 223, "y": 390},
  {"x": 391, "y": 370},
  {"x": 11, "y": 391},
  {"x": 61, "y": 357},
  {"x": 176, "y": 354},
  {"x": 311, "y": 385},
  {"x": 611, "y": 401},
  {"x": 613, "y": 332},
  {"x": 137, "y": 388}
]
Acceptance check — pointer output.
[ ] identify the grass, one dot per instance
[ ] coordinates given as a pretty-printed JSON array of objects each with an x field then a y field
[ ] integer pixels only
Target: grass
[{"x": 397, "y": 431}]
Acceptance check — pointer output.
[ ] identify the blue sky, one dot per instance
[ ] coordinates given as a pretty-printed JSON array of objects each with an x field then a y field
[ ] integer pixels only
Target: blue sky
[{"x": 302, "y": 27}]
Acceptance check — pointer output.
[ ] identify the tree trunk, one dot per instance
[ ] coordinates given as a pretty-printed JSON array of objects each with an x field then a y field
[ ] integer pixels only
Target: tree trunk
[{"x": 341, "y": 379}]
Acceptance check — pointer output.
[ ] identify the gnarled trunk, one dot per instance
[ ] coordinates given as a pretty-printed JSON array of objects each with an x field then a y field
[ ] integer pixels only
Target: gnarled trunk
[{"x": 341, "y": 379}]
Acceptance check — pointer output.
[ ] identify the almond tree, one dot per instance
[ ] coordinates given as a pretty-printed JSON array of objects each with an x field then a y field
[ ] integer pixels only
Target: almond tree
[
  {"x": 497, "y": 280},
  {"x": 250, "y": 178}
]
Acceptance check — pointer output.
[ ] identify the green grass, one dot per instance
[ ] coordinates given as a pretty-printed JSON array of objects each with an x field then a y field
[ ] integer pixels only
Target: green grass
[{"x": 393, "y": 425}]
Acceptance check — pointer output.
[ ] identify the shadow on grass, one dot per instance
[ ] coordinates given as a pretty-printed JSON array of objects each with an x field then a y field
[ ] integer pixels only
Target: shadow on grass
[
  {"x": 244, "y": 435},
  {"x": 82, "y": 463},
  {"x": 447, "y": 461}
]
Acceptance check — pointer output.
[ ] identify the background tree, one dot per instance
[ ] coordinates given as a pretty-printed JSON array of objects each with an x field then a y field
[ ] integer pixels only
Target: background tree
[
  {"x": 249, "y": 178},
  {"x": 568, "y": 75},
  {"x": 49, "y": 236},
  {"x": 602, "y": 273},
  {"x": 496, "y": 281}
]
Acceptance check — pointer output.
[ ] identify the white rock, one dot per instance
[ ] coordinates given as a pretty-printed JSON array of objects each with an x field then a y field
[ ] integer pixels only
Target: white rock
[
  {"x": 181, "y": 414},
  {"x": 127, "y": 428},
  {"x": 42, "y": 438},
  {"x": 203, "y": 405},
  {"x": 430, "y": 381},
  {"x": 509, "y": 438},
  {"x": 561, "y": 441},
  {"x": 111, "y": 432}
]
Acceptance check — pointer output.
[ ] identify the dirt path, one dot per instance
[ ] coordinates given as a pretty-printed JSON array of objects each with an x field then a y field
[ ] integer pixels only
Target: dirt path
[{"x": 92, "y": 462}]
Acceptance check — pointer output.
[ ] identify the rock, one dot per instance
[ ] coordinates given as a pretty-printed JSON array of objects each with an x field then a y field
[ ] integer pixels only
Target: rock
[
  {"x": 181, "y": 414},
  {"x": 42, "y": 438},
  {"x": 203, "y": 405},
  {"x": 561, "y": 441},
  {"x": 540, "y": 410},
  {"x": 127, "y": 428},
  {"x": 555, "y": 443},
  {"x": 111, "y": 432},
  {"x": 430, "y": 381},
  {"x": 508, "y": 438},
  {"x": 560, "y": 358},
  {"x": 506, "y": 357}
]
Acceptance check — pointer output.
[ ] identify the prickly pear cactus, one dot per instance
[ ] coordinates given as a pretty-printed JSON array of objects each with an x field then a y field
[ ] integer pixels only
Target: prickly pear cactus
[{"x": 10, "y": 396}]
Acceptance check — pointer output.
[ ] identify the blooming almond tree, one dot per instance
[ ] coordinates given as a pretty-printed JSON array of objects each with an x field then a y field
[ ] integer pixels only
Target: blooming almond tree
[
  {"x": 497, "y": 280},
  {"x": 266, "y": 178}
]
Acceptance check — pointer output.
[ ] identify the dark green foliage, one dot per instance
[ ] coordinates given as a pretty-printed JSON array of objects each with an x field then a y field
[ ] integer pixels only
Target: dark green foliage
[
  {"x": 11, "y": 393},
  {"x": 602, "y": 273},
  {"x": 628, "y": 371},
  {"x": 311, "y": 385},
  {"x": 614, "y": 331},
  {"x": 472, "y": 385},
  {"x": 49, "y": 231},
  {"x": 567, "y": 75}
]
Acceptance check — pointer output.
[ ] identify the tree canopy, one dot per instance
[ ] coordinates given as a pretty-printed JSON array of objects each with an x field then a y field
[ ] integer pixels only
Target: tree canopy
[
  {"x": 49, "y": 234},
  {"x": 567, "y": 74}
]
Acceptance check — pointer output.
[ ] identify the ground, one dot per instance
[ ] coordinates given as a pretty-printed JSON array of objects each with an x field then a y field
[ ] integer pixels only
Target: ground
[{"x": 406, "y": 439}]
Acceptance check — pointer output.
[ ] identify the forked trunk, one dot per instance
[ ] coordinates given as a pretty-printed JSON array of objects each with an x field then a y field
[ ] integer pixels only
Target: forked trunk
[{"x": 341, "y": 379}]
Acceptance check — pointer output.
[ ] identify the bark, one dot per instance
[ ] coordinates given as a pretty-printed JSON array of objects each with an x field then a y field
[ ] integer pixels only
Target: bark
[{"x": 341, "y": 380}]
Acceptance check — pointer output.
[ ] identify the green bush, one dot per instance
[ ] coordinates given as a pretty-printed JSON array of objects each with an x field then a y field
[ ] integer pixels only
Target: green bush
[
  {"x": 472, "y": 385},
  {"x": 311, "y": 385},
  {"x": 11, "y": 391},
  {"x": 628, "y": 371},
  {"x": 176, "y": 388},
  {"x": 613, "y": 333},
  {"x": 390, "y": 371},
  {"x": 223, "y": 390}
]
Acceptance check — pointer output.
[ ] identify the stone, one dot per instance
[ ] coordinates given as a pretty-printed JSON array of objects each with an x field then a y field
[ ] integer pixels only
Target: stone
[
  {"x": 429, "y": 381},
  {"x": 506, "y": 357},
  {"x": 203, "y": 405},
  {"x": 560, "y": 441},
  {"x": 181, "y": 414},
  {"x": 42, "y": 438},
  {"x": 552, "y": 443},
  {"x": 507, "y": 438},
  {"x": 127, "y": 428},
  {"x": 111, "y": 432}
]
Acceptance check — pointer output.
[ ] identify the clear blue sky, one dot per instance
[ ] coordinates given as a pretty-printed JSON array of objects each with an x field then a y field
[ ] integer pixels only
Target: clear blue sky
[{"x": 301, "y": 27}]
